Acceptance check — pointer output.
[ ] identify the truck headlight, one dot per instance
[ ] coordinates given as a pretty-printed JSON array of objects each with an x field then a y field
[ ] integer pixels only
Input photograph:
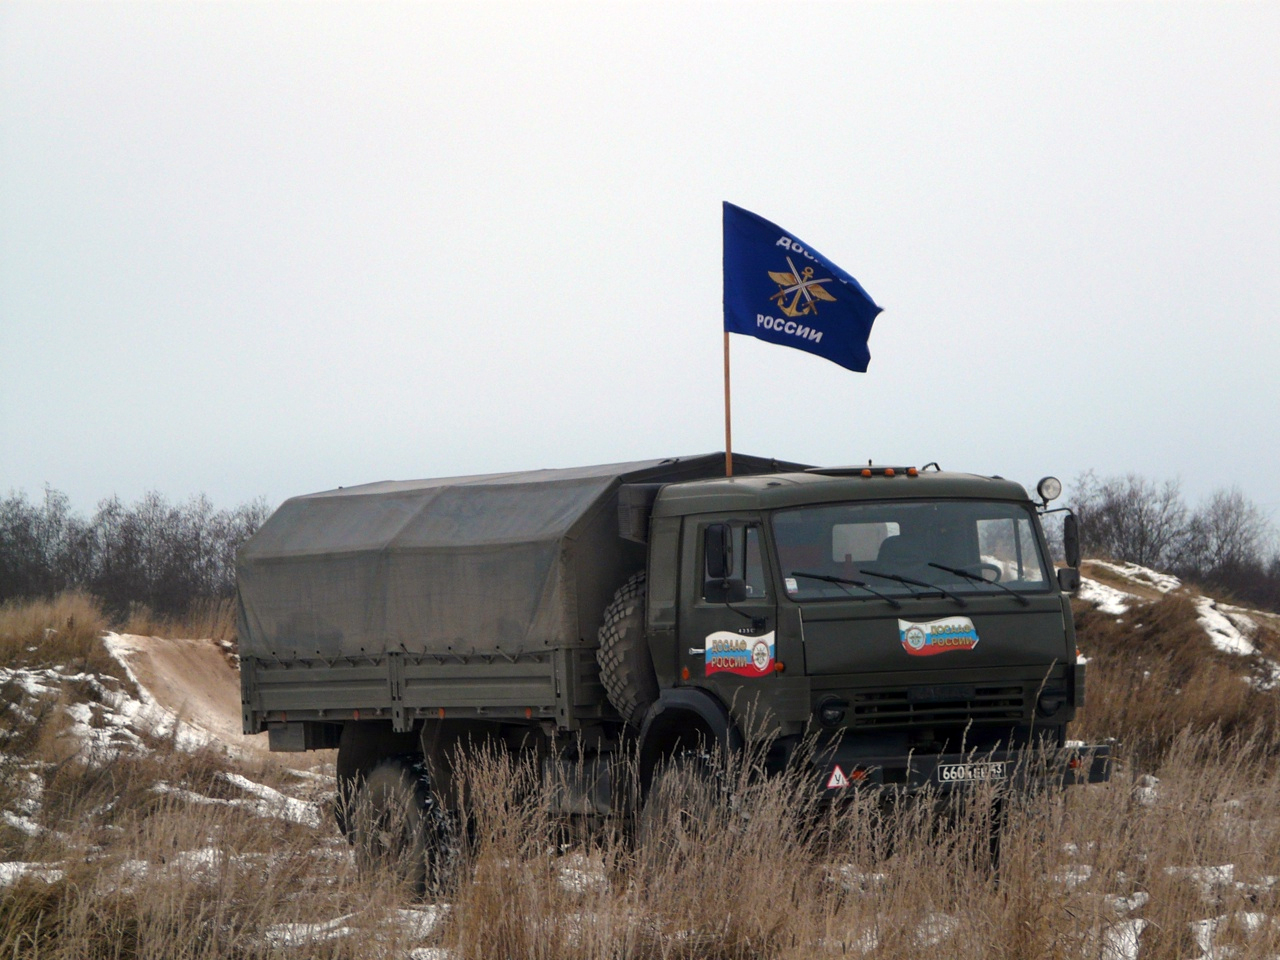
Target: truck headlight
[
  {"x": 831, "y": 711},
  {"x": 1050, "y": 702}
]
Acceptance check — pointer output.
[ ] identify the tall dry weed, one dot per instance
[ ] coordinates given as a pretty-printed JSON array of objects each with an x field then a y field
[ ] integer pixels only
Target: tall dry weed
[
  {"x": 740, "y": 867},
  {"x": 1154, "y": 675},
  {"x": 62, "y": 631},
  {"x": 207, "y": 619}
]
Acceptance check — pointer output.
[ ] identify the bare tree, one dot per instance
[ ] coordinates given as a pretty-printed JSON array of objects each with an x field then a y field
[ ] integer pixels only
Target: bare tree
[
  {"x": 153, "y": 552},
  {"x": 1228, "y": 533},
  {"x": 1131, "y": 518}
]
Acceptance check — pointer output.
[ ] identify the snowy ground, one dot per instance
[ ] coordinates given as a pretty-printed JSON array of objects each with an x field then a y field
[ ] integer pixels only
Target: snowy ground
[{"x": 1228, "y": 628}]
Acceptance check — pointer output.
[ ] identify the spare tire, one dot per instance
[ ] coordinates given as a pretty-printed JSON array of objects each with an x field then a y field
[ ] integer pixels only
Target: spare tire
[{"x": 626, "y": 668}]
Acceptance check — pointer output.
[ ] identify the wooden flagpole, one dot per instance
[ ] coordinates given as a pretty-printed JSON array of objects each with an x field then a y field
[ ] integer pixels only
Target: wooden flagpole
[{"x": 728, "y": 431}]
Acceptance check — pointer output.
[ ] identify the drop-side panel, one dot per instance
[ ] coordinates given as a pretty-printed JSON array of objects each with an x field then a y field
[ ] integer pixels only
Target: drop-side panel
[
  {"x": 428, "y": 684},
  {"x": 405, "y": 689}
]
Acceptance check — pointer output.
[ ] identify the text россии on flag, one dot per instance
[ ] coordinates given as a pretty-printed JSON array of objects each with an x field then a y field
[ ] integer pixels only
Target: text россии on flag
[{"x": 781, "y": 290}]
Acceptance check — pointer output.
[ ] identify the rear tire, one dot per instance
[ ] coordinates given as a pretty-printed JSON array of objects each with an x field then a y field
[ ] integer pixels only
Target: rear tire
[
  {"x": 626, "y": 668},
  {"x": 397, "y": 826}
]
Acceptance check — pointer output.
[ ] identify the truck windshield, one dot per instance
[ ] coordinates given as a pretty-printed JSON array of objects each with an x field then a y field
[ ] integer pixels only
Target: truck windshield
[{"x": 992, "y": 543}]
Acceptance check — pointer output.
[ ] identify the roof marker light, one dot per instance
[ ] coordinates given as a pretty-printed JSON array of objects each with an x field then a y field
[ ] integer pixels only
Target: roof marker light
[
  {"x": 888, "y": 471},
  {"x": 912, "y": 472},
  {"x": 866, "y": 472}
]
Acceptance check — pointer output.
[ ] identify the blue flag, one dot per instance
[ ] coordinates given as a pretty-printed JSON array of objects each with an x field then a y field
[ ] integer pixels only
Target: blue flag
[{"x": 781, "y": 290}]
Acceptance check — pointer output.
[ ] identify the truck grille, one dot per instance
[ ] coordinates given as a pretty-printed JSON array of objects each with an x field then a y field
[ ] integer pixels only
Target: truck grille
[{"x": 925, "y": 706}]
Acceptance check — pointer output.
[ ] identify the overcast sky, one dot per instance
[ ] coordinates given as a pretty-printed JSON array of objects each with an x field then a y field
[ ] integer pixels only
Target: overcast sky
[{"x": 271, "y": 249}]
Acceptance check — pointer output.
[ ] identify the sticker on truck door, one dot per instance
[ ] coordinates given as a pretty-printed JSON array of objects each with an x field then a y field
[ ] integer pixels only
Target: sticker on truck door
[
  {"x": 745, "y": 656},
  {"x": 937, "y": 636}
]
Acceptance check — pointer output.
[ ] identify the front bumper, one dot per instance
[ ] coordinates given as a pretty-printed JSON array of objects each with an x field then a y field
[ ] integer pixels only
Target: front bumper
[{"x": 840, "y": 768}]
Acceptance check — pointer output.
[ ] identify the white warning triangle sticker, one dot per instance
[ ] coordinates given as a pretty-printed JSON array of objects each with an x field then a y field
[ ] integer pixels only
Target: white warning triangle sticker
[{"x": 838, "y": 779}]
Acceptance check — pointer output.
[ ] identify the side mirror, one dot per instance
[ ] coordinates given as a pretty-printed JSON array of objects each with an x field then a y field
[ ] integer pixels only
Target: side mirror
[
  {"x": 717, "y": 548},
  {"x": 1071, "y": 539},
  {"x": 1068, "y": 579}
]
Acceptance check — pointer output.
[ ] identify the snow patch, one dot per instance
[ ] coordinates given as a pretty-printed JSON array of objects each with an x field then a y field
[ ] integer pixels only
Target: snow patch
[
  {"x": 295, "y": 934},
  {"x": 1107, "y": 599},
  {"x": 22, "y": 824},
  {"x": 276, "y": 804},
  {"x": 1204, "y": 931},
  {"x": 12, "y": 872},
  {"x": 1142, "y": 576},
  {"x": 1120, "y": 941},
  {"x": 415, "y": 923},
  {"x": 1147, "y": 790},
  {"x": 1210, "y": 880},
  {"x": 1225, "y": 634},
  {"x": 266, "y": 802},
  {"x": 1074, "y": 876}
]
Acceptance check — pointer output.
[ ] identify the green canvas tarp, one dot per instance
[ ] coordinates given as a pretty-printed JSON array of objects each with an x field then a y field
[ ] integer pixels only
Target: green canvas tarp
[{"x": 498, "y": 564}]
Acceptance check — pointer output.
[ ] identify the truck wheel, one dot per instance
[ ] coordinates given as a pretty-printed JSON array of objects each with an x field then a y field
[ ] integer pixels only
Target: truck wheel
[
  {"x": 626, "y": 669},
  {"x": 396, "y": 825},
  {"x": 686, "y": 787},
  {"x": 362, "y": 747}
]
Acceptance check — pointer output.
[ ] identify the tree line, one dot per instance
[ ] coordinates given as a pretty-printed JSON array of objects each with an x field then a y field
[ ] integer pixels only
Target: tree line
[
  {"x": 1226, "y": 543},
  {"x": 170, "y": 555},
  {"x": 165, "y": 555}
]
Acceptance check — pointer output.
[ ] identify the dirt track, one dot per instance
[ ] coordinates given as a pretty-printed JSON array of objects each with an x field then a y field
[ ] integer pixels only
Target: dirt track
[{"x": 196, "y": 681}]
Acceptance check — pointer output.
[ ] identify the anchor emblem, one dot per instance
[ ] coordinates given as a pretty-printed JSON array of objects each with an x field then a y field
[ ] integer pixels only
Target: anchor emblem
[{"x": 798, "y": 285}]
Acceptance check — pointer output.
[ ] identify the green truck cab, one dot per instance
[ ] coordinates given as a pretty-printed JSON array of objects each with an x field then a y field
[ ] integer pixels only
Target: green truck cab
[{"x": 910, "y": 621}]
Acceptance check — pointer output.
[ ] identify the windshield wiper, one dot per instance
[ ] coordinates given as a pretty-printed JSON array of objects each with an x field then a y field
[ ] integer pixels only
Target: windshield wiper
[
  {"x": 919, "y": 583},
  {"x": 841, "y": 581},
  {"x": 973, "y": 576}
]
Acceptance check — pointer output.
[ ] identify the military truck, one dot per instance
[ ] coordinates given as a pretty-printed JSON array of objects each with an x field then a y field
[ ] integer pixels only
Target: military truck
[{"x": 909, "y": 620}]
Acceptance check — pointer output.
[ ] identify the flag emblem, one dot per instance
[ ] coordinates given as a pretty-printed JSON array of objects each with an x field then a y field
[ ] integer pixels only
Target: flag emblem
[{"x": 798, "y": 285}]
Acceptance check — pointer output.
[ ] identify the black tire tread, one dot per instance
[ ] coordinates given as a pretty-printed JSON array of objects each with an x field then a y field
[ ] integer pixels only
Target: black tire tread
[{"x": 626, "y": 669}]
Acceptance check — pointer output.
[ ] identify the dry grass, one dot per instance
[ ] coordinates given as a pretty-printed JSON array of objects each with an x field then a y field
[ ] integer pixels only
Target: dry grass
[
  {"x": 213, "y": 619},
  {"x": 745, "y": 868},
  {"x": 1153, "y": 675},
  {"x": 63, "y": 631}
]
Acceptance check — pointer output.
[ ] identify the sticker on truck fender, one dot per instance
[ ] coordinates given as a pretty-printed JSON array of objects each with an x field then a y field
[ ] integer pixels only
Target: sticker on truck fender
[
  {"x": 937, "y": 636},
  {"x": 745, "y": 656},
  {"x": 962, "y": 772}
]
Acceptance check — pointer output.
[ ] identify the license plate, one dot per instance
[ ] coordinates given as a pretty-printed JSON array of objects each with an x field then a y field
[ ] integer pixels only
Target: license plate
[{"x": 965, "y": 772}]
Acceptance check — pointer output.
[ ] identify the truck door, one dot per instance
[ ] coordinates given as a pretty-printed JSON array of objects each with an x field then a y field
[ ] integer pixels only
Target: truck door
[{"x": 728, "y": 613}]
